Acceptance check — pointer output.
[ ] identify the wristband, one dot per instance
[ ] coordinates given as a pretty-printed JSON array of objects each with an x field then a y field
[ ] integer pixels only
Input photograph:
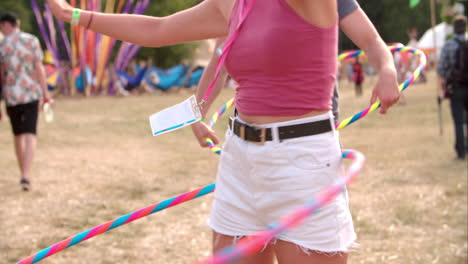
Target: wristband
[{"x": 76, "y": 13}]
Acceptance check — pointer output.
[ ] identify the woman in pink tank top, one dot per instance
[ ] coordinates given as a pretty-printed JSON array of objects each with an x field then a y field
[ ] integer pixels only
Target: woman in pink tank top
[{"x": 281, "y": 147}]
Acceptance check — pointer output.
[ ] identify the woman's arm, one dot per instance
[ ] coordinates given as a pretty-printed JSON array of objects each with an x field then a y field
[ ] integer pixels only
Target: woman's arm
[
  {"x": 200, "y": 129},
  {"x": 360, "y": 30},
  {"x": 208, "y": 76},
  {"x": 206, "y": 20}
]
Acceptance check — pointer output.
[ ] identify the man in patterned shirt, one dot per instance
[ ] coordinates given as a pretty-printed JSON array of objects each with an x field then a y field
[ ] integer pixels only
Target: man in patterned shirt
[{"x": 23, "y": 87}]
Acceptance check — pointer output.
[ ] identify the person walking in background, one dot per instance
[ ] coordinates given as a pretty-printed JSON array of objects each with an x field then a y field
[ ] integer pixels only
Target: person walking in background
[
  {"x": 453, "y": 75},
  {"x": 358, "y": 76},
  {"x": 24, "y": 86}
]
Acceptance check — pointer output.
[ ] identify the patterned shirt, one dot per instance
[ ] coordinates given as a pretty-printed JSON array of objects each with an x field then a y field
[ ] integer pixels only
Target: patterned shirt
[
  {"x": 448, "y": 56},
  {"x": 19, "y": 53}
]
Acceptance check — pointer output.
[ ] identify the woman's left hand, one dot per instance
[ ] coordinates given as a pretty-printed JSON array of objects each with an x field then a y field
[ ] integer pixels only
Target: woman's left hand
[{"x": 386, "y": 89}]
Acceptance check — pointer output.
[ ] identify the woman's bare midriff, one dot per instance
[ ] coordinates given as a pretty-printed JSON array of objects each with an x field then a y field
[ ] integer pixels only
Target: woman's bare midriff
[{"x": 274, "y": 119}]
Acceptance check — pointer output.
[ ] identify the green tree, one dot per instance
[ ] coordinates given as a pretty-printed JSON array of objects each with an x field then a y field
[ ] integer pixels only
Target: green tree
[
  {"x": 393, "y": 19},
  {"x": 23, "y": 9},
  {"x": 168, "y": 56}
]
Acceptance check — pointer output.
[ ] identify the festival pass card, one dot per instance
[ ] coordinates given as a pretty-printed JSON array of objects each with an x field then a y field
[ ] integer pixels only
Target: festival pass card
[{"x": 174, "y": 117}]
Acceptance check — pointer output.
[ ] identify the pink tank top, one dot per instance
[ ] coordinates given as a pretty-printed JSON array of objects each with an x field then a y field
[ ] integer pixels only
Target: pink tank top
[{"x": 284, "y": 65}]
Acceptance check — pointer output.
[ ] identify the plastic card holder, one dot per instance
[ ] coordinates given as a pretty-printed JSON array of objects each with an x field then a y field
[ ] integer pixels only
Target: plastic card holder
[{"x": 175, "y": 117}]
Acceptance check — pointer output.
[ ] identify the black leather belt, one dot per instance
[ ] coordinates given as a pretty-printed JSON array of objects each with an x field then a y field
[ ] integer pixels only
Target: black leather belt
[{"x": 258, "y": 134}]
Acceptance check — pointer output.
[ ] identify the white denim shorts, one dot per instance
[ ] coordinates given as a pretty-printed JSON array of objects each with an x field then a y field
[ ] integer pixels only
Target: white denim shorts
[{"x": 257, "y": 184}]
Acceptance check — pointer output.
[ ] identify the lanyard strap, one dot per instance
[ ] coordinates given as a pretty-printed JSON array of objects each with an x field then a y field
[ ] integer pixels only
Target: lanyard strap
[{"x": 243, "y": 12}]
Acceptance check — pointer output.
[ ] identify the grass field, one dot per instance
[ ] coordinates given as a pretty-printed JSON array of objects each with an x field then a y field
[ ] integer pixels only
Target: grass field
[{"x": 98, "y": 161}]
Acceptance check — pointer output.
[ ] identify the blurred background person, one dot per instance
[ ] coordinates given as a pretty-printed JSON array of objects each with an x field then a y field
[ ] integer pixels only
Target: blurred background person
[
  {"x": 453, "y": 75},
  {"x": 358, "y": 76},
  {"x": 24, "y": 87}
]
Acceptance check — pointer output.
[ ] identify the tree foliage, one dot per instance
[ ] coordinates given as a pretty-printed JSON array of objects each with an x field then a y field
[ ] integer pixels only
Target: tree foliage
[
  {"x": 22, "y": 8},
  {"x": 171, "y": 55},
  {"x": 394, "y": 18}
]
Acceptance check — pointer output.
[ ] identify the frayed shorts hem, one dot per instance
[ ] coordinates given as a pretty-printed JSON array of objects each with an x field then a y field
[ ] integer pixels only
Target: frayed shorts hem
[
  {"x": 216, "y": 229},
  {"x": 351, "y": 247}
]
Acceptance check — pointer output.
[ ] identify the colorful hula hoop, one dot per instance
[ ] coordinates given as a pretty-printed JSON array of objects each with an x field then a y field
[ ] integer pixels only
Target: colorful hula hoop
[
  {"x": 348, "y": 121},
  {"x": 245, "y": 246}
]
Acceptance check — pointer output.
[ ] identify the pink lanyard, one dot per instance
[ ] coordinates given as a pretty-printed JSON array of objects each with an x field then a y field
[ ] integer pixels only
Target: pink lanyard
[{"x": 243, "y": 12}]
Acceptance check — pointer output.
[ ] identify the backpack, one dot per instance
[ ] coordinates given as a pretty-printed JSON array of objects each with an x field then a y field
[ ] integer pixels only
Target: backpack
[{"x": 459, "y": 76}]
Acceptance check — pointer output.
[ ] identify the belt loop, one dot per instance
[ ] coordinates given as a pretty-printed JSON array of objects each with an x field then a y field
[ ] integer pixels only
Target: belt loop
[
  {"x": 242, "y": 131},
  {"x": 263, "y": 135},
  {"x": 231, "y": 122},
  {"x": 275, "y": 134}
]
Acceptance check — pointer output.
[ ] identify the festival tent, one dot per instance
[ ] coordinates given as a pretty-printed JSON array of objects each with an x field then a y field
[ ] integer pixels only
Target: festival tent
[{"x": 426, "y": 42}]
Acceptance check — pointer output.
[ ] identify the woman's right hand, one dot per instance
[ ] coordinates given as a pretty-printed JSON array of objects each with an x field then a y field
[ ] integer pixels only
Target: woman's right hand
[
  {"x": 61, "y": 9},
  {"x": 203, "y": 131}
]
